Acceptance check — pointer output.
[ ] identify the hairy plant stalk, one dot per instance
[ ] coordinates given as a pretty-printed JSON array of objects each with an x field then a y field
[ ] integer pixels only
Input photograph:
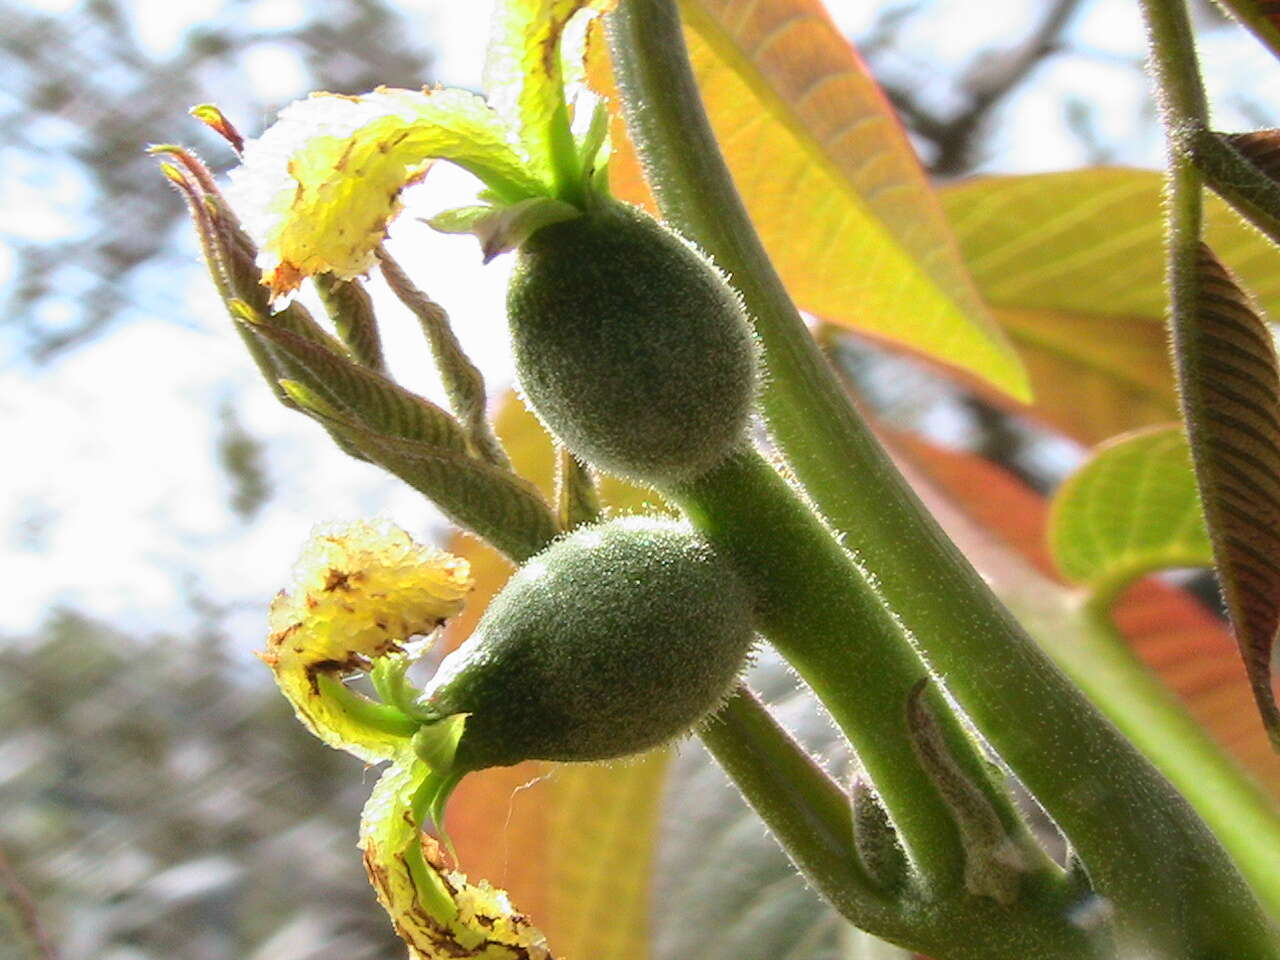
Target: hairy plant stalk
[
  {"x": 820, "y": 613},
  {"x": 1173, "y": 887},
  {"x": 1254, "y": 194},
  {"x": 1240, "y": 813}
]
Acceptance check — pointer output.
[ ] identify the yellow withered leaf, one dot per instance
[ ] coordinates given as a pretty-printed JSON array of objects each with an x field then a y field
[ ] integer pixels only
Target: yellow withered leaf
[
  {"x": 438, "y": 913},
  {"x": 317, "y": 190},
  {"x": 360, "y": 592}
]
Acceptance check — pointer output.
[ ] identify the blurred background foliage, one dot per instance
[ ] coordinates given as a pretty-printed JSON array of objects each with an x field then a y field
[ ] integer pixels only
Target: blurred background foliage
[
  {"x": 85, "y": 89},
  {"x": 158, "y": 799},
  {"x": 157, "y": 805}
]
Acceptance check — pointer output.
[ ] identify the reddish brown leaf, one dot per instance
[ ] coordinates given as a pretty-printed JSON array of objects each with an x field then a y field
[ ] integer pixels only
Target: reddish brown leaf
[{"x": 1231, "y": 400}]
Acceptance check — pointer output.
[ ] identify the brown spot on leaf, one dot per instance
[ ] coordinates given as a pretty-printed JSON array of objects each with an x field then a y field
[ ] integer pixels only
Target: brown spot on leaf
[{"x": 337, "y": 579}]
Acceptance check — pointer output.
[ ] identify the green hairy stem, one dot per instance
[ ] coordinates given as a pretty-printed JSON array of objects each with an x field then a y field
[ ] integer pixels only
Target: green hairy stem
[
  {"x": 821, "y": 613},
  {"x": 1174, "y": 890}
]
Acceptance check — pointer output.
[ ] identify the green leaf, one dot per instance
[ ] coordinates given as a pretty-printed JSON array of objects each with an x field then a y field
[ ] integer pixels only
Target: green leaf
[
  {"x": 524, "y": 80},
  {"x": 503, "y": 228},
  {"x": 436, "y": 744},
  {"x": 1231, "y": 398},
  {"x": 1073, "y": 267},
  {"x": 1131, "y": 509}
]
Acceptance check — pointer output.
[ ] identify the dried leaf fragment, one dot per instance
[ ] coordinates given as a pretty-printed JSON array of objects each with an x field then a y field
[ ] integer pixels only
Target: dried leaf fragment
[
  {"x": 435, "y": 910},
  {"x": 359, "y": 593}
]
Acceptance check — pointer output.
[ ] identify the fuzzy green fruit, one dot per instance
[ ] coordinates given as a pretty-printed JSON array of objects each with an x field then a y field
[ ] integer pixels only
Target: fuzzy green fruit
[
  {"x": 614, "y": 639},
  {"x": 630, "y": 346}
]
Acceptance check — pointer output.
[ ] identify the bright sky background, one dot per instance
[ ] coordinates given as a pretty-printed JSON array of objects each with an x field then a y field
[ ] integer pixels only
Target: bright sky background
[{"x": 113, "y": 501}]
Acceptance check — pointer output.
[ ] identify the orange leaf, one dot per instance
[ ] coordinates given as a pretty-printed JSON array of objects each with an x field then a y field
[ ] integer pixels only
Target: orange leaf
[{"x": 830, "y": 181}]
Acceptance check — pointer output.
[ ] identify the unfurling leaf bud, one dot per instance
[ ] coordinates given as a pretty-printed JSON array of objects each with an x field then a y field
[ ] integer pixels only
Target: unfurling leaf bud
[{"x": 875, "y": 839}]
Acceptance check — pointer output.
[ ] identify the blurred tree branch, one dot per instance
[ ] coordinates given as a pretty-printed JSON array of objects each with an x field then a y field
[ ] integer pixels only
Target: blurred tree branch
[
  {"x": 988, "y": 81},
  {"x": 29, "y": 932},
  {"x": 84, "y": 95}
]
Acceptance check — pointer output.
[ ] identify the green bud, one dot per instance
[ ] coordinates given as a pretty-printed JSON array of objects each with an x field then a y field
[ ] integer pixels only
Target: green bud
[
  {"x": 875, "y": 839},
  {"x": 614, "y": 639},
  {"x": 630, "y": 346}
]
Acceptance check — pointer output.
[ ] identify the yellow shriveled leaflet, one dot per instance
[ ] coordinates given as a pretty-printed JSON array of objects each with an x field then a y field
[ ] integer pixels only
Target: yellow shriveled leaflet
[
  {"x": 436, "y": 911},
  {"x": 318, "y": 189},
  {"x": 359, "y": 593}
]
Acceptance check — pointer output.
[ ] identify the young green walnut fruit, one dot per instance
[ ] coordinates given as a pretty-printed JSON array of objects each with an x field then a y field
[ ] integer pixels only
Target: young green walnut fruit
[
  {"x": 616, "y": 638},
  {"x": 630, "y": 346}
]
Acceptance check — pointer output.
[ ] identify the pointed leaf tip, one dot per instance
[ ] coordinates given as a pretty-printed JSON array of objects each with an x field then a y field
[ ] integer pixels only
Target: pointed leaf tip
[
  {"x": 1231, "y": 394},
  {"x": 213, "y": 118},
  {"x": 174, "y": 175},
  {"x": 503, "y": 228}
]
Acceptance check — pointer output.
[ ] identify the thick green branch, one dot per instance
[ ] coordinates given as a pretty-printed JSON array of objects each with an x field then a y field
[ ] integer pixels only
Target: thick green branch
[
  {"x": 1239, "y": 812},
  {"x": 805, "y": 809},
  {"x": 1147, "y": 852},
  {"x": 821, "y": 614}
]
